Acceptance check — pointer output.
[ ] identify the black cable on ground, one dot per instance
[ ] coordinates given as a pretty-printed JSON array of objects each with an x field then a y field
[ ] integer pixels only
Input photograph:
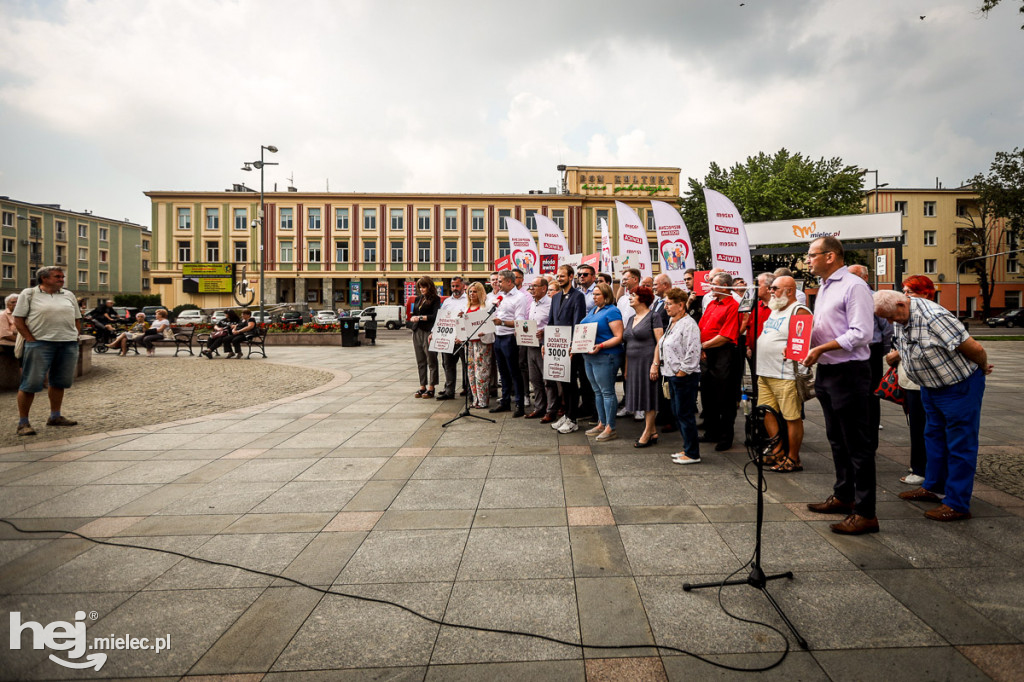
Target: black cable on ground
[{"x": 435, "y": 621}]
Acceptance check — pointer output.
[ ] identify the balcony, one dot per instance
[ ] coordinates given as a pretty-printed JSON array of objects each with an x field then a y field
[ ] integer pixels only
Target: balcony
[{"x": 62, "y": 236}]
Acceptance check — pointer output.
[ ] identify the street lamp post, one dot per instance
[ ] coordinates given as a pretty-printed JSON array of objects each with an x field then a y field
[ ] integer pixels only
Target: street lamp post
[
  {"x": 865, "y": 171},
  {"x": 963, "y": 263},
  {"x": 248, "y": 166}
]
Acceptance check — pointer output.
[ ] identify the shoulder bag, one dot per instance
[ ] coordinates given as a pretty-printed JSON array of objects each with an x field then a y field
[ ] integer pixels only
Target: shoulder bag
[
  {"x": 889, "y": 387},
  {"x": 804, "y": 383}
]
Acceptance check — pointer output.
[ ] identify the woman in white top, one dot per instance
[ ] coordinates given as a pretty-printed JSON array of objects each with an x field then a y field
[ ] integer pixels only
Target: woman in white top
[
  {"x": 155, "y": 331},
  {"x": 677, "y": 358},
  {"x": 478, "y": 349}
]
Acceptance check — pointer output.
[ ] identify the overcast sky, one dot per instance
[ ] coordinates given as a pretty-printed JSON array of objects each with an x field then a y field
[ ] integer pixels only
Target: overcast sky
[{"x": 102, "y": 100}]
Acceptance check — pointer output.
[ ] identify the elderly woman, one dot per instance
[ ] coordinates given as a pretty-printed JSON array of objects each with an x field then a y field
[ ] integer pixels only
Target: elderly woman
[
  {"x": 155, "y": 332},
  {"x": 602, "y": 363},
  {"x": 424, "y": 312},
  {"x": 136, "y": 332},
  {"x": 917, "y": 286},
  {"x": 8, "y": 333},
  {"x": 642, "y": 334},
  {"x": 677, "y": 358},
  {"x": 478, "y": 350},
  {"x": 222, "y": 335}
]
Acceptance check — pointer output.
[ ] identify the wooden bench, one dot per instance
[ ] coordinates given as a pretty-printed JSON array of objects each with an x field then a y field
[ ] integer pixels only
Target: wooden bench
[{"x": 182, "y": 340}]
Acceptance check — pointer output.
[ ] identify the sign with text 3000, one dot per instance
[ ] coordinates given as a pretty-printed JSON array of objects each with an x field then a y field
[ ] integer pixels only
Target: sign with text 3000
[
  {"x": 557, "y": 339},
  {"x": 445, "y": 332}
]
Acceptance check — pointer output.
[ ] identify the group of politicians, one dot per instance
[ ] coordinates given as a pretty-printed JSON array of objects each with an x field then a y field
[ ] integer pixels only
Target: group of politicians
[{"x": 673, "y": 346}]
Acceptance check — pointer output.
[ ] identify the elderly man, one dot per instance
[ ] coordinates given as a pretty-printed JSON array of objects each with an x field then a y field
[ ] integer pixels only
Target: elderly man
[
  {"x": 456, "y": 303},
  {"x": 776, "y": 376},
  {"x": 49, "y": 318},
  {"x": 719, "y": 329},
  {"x": 8, "y": 332},
  {"x": 545, "y": 394},
  {"x": 881, "y": 342},
  {"x": 511, "y": 307},
  {"x": 950, "y": 367},
  {"x": 843, "y": 324}
]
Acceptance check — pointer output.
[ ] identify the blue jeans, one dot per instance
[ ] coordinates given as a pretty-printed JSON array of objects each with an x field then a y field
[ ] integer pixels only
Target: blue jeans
[
  {"x": 684, "y": 407},
  {"x": 951, "y": 439},
  {"x": 54, "y": 359},
  {"x": 601, "y": 369}
]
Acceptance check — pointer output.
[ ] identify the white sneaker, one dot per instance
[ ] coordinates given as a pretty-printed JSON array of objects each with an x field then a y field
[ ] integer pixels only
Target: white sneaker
[
  {"x": 568, "y": 427},
  {"x": 558, "y": 424},
  {"x": 638, "y": 416},
  {"x": 680, "y": 458},
  {"x": 622, "y": 412},
  {"x": 912, "y": 479}
]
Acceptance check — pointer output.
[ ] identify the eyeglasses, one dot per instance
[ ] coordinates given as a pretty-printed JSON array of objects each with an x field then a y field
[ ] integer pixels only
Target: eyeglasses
[{"x": 812, "y": 254}]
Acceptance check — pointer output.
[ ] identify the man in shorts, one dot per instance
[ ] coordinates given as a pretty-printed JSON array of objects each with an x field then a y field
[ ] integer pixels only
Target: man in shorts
[{"x": 49, "y": 318}]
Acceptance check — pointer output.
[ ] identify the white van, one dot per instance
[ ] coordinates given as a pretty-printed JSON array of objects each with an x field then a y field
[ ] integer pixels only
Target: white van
[{"x": 390, "y": 316}]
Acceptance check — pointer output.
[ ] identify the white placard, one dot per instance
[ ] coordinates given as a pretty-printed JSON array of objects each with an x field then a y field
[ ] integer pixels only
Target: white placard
[
  {"x": 880, "y": 264},
  {"x": 445, "y": 332},
  {"x": 476, "y": 326},
  {"x": 557, "y": 339},
  {"x": 583, "y": 337},
  {"x": 526, "y": 333}
]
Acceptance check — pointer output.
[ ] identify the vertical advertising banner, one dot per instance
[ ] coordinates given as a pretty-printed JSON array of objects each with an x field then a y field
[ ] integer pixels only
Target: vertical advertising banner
[
  {"x": 550, "y": 240},
  {"x": 729, "y": 248},
  {"x": 355, "y": 293},
  {"x": 523, "y": 247},
  {"x": 382, "y": 292},
  {"x": 606, "y": 249},
  {"x": 633, "y": 248},
  {"x": 675, "y": 250}
]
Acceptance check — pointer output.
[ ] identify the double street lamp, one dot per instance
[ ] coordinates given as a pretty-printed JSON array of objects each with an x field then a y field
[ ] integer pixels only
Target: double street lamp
[{"x": 248, "y": 166}]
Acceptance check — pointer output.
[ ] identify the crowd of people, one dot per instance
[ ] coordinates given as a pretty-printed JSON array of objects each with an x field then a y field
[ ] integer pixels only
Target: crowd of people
[{"x": 681, "y": 355}]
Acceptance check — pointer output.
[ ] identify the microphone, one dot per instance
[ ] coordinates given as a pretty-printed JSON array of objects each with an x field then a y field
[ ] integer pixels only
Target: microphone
[{"x": 497, "y": 302}]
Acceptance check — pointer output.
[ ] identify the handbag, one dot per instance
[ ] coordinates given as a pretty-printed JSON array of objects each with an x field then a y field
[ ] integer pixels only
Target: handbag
[
  {"x": 665, "y": 390},
  {"x": 220, "y": 333},
  {"x": 168, "y": 333},
  {"x": 19, "y": 347},
  {"x": 889, "y": 387},
  {"x": 804, "y": 383}
]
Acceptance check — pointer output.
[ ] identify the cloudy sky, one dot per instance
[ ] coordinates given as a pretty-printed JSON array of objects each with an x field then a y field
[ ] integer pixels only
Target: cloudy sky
[{"x": 102, "y": 100}]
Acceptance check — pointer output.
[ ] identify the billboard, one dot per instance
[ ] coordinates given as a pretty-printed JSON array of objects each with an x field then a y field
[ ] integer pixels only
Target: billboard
[{"x": 207, "y": 278}]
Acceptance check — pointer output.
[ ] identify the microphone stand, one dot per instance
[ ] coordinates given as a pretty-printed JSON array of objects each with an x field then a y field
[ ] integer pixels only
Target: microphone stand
[
  {"x": 465, "y": 378},
  {"x": 756, "y": 447}
]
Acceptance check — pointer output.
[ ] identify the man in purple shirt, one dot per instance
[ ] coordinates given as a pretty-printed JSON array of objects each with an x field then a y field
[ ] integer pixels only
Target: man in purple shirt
[{"x": 844, "y": 321}]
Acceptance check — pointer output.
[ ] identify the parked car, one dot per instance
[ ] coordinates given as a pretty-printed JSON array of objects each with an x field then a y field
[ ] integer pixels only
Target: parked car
[
  {"x": 217, "y": 316},
  {"x": 390, "y": 316},
  {"x": 1010, "y": 318},
  {"x": 125, "y": 314},
  {"x": 267, "y": 317},
  {"x": 191, "y": 316},
  {"x": 150, "y": 311},
  {"x": 291, "y": 317},
  {"x": 324, "y": 317}
]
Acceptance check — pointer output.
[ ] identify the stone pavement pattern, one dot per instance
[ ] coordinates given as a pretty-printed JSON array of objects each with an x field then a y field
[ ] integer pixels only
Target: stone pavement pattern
[{"x": 356, "y": 486}]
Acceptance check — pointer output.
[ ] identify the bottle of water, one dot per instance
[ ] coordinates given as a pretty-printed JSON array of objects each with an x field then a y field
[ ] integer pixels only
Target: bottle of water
[{"x": 747, "y": 407}]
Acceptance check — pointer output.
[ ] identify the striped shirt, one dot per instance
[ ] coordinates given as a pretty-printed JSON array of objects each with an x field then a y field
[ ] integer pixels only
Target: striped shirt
[{"x": 927, "y": 343}]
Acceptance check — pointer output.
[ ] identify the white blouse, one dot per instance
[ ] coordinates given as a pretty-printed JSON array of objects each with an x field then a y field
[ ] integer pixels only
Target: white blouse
[{"x": 679, "y": 348}]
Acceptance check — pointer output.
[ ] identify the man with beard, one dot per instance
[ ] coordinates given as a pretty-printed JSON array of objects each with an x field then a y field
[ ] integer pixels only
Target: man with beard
[{"x": 776, "y": 376}]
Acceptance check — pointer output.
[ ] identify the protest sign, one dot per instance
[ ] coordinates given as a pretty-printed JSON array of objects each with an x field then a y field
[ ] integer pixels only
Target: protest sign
[
  {"x": 583, "y": 337},
  {"x": 798, "y": 345},
  {"x": 445, "y": 332},
  {"x": 526, "y": 331},
  {"x": 556, "y": 352},
  {"x": 476, "y": 326}
]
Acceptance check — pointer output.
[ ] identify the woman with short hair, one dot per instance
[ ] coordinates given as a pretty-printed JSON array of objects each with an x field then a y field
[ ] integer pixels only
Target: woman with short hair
[
  {"x": 602, "y": 363},
  {"x": 424, "y": 312},
  {"x": 677, "y": 359}
]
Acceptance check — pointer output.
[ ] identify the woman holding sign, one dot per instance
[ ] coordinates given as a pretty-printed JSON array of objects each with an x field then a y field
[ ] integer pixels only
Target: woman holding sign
[
  {"x": 424, "y": 310},
  {"x": 602, "y": 362},
  {"x": 479, "y": 347},
  {"x": 642, "y": 335}
]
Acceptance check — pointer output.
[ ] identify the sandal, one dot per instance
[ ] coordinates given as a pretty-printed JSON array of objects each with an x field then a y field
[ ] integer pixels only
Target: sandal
[
  {"x": 428, "y": 394},
  {"x": 420, "y": 393},
  {"x": 770, "y": 459},
  {"x": 786, "y": 466}
]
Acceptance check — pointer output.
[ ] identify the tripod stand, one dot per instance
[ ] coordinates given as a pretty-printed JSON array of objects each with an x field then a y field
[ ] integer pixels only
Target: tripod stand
[{"x": 464, "y": 349}]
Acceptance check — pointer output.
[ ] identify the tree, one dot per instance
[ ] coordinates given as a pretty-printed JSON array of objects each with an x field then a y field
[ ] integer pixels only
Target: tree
[
  {"x": 1003, "y": 187},
  {"x": 988, "y": 5},
  {"x": 779, "y": 187}
]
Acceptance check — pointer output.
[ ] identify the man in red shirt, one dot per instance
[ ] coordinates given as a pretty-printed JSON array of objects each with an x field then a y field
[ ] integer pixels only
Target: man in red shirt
[{"x": 719, "y": 329}]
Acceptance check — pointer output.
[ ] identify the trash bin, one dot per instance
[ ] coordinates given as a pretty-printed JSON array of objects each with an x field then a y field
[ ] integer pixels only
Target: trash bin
[
  {"x": 370, "y": 328},
  {"x": 349, "y": 332}
]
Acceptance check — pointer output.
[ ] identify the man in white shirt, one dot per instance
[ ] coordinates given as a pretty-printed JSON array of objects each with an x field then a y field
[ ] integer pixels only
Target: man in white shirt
[
  {"x": 511, "y": 307},
  {"x": 587, "y": 277},
  {"x": 545, "y": 394},
  {"x": 454, "y": 304}
]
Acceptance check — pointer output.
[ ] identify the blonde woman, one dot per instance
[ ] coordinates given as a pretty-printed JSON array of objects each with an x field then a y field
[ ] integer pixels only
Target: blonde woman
[
  {"x": 137, "y": 331},
  {"x": 478, "y": 350}
]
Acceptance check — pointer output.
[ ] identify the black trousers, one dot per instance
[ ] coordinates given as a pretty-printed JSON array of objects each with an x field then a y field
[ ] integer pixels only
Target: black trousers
[
  {"x": 719, "y": 384},
  {"x": 843, "y": 390},
  {"x": 450, "y": 361},
  {"x": 875, "y": 403}
]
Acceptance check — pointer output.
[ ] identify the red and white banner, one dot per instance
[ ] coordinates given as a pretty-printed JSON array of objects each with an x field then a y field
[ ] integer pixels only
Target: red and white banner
[
  {"x": 798, "y": 346},
  {"x": 522, "y": 247},
  {"x": 729, "y": 248},
  {"x": 592, "y": 260},
  {"x": 550, "y": 240},
  {"x": 674, "y": 246},
  {"x": 633, "y": 248},
  {"x": 606, "y": 249},
  {"x": 503, "y": 263}
]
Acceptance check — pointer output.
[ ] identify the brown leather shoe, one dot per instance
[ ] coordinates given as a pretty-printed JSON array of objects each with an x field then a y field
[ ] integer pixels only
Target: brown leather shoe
[
  {"x": 919, "y": 495},
  {"x": 855, "y": 524},
  {"x": 547, "y": 419},
  {"x": 831, "y": 506},
  {"x": 535, "y": 414},
  {"x": 944, "y": 513}
]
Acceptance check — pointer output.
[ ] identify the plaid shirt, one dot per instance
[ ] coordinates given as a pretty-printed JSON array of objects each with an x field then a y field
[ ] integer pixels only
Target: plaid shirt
[{"x": 927, "y": 343}]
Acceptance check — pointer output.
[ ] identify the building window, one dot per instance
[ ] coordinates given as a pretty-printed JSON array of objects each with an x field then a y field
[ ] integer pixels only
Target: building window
[
  {"x": 61, "y": 254},
  {"x": 104, "y": 256},
  {"x": 287, "y": 218},
  {"x": 83, "y": 254},
  {"x": 212, "y": 219},
  {"x": 900, "y": 206},
  {"x": 241, "y": 252},
  {"x": 103, "y": 279},
  {"x": 502, "y": 214},
  {"x": 314, "y": 219},
  {"x": 531, "y": 219},
  {"x": 145, "y": 282},
  {"x": 478, "y": 220},
  {"x": 8, "y": 269},
  {"x": 286, "y": 252},
  {"x": 478, "y": 252},
  {"x": 929, "y": 209},
  {"x": 83, "y": 277},
  {"x": 8, "y": 245},
  {"x": 397, "y": 252},
  {"x": 313, "y": 252},
  {"x": 903, "y": 238},
  {"x": 8, "y": 221},
  {"x": 212, "y": 252},
  {"x": 423, "y": 252},
  {"x": 929, "y": 237},
  {"x": 341, "y": 251},
  {"x": 104, "y": 234},
  {"x": 369, "y": 251},
  {"x": 451, "y": 219},
  {"x": 184, "y": 252},
  {"x": 1012, "y": 266},
  {"x": 83, "y": 231},
  {"x": 929, "y": 266},
  {"x": 654, "y": 250},
  {"x": 184, "y": 218},
  {"x": 961, "y": 209},
  {"x": 145, "y": 245},
  {"x": 145, "y": 265},
  {"x": 1011, "y": 299},
  {"x": 241, "y": 219},
  {"x": 61, "y": 229},
  {"x": 904, "y": 266},
  {"x": 370, "y": 221},
  {"x": 423, "y": 219},
  {"x": 503, "y": 249},
  {"x": 558, "y": 216},
  {"x": 341, "y": 218},
  {"x": 1011, "y": 241},
  {"x": 599, "y": 215},
  {"x": 397, "y": 220},
  {"x": 651, "y": 227},
  {"x": 451, "y": 252}
]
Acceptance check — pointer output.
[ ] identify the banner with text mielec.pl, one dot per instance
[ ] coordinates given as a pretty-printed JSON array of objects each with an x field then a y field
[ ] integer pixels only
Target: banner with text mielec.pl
[
  {"x": 606, "y": 249},
  {"x": 633, "y": 247},
  {"x": 550, "y": 240},
  {"x": 675, "y": 250},
  {"x": 729, "y": 248},
  {"x": 523, "y": 248}
]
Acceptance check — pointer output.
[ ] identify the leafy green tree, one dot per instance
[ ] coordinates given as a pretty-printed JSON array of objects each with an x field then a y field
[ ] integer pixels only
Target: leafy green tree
[
  {"x": 988, "y": 5},
  {"x": 782, "y": 186},
  {"x": 1003, "y": 187}
]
